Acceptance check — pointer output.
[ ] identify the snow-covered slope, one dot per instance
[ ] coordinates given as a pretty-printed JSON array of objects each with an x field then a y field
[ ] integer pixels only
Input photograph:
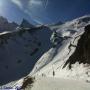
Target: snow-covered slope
[
  {"x": 66, "y": 59},
  {"x": 63, "y": 52}
]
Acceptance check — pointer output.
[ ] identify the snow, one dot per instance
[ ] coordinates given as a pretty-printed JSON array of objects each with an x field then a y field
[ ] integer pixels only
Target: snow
[{"x": 46, "y": 83}]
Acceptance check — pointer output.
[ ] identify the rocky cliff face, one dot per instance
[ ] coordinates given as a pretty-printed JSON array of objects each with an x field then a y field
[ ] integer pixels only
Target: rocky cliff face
[{"x": 82, "y": 52}]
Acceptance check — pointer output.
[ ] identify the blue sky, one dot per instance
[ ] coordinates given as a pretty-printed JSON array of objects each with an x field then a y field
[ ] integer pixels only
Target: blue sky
[{"x": 44, "y": 11}]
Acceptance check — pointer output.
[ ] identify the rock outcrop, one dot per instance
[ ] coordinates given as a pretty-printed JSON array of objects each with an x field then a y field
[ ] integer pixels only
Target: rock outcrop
[{"x": 82, "y": 52}]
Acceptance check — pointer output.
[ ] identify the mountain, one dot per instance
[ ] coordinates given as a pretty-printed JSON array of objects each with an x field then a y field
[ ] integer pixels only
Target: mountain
[
  {"x": 26, "y": 24},
  {"x": 44, "y": 55},
  {"x": 7, "y": 26},
  {"x": 19, "y": 51}
]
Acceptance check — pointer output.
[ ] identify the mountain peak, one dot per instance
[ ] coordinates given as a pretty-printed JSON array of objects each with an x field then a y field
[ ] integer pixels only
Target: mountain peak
[{"x": 26, "y": 24}]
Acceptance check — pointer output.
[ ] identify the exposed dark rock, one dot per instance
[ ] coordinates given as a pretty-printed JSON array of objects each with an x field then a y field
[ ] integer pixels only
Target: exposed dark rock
[
  {"x": 82, "y": 52},
  {"x": 28, "y": 81}
]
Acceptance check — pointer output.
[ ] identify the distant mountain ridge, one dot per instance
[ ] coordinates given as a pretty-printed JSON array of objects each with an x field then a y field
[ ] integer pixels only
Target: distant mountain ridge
[{"x": 5, "y": 25}]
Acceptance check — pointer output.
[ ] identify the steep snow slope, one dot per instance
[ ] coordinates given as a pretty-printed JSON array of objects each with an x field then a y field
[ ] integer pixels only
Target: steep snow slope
[
  {"x": 60, "y": 55},
  {"x": 19, "y": 51},
  {"x": 65, "y": 59}
]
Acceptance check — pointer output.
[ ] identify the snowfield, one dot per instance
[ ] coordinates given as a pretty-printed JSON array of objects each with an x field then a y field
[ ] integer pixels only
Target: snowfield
[
  {"x": 53, "y": 62},
  {"x": 46, "y": 83}
]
